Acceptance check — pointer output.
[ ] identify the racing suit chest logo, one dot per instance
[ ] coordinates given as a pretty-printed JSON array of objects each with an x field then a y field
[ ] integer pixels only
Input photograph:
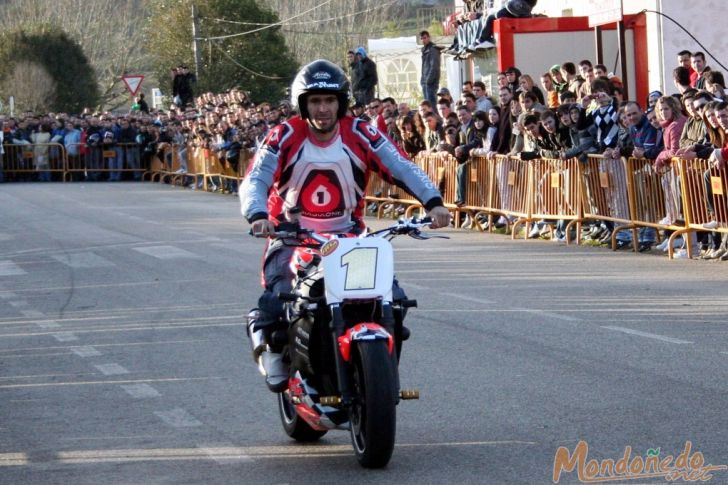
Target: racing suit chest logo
[{"x": 322, "y": 196}]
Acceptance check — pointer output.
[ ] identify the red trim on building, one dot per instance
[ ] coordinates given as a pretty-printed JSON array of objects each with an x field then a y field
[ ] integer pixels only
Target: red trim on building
[{"x": 504, "y": 29}]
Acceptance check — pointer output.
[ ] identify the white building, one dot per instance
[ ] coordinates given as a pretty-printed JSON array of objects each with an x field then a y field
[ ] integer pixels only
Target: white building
[{"x": 702, "y": 18}]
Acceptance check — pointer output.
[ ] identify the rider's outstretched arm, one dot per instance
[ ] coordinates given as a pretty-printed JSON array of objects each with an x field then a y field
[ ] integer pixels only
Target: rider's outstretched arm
[{"x": 263, "y": 174}]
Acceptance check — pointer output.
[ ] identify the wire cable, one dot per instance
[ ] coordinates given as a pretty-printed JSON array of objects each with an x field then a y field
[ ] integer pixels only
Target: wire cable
[
  {"x": 220, "y": 37},
  {"x": 687, "y": 32},
  {"x": 306, "y": 21},
  {"x": 243, "y": 67}
]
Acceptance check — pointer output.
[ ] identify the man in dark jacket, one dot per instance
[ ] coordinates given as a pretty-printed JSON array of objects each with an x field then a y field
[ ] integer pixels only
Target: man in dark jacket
[
  {"x": 354, "y": 74},
  {"x": 365, "y": 78},
  {"x": 182, "y": 85},
  {"x": 127, "y": 151},
  {"x": 430, "y": 78},
  {"x": 467, "y": 139}
]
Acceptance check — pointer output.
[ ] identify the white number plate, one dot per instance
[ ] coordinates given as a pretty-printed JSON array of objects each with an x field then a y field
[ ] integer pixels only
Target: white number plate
[{"x": 358, "y": 268}]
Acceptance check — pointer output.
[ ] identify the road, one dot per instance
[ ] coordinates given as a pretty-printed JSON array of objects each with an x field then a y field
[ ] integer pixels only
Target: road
[{"x": 123, "y": 358}]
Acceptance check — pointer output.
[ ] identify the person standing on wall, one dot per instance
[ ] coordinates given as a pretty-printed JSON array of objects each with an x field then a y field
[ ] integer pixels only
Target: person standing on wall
[
  {"x": 366, "y": 76},
  {"x": 430, "y": 68}
]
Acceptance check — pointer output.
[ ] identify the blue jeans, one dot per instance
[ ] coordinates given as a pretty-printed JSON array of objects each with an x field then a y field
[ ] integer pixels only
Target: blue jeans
[
  {"x": 646, "y": 235},
  {"x": 461, "y": 182},
  {"x": 429, "y": 92},
  {"x": 94, "y": 163}
]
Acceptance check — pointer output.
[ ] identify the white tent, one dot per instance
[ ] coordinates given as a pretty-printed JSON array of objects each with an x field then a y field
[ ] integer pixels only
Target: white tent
[{"x": 399, "y": 65}]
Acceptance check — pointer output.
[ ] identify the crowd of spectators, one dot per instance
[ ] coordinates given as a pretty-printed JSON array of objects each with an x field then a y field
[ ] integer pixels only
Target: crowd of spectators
[
  {"x": 227, "y": 123},
  {"x": 579, "y": 109}
]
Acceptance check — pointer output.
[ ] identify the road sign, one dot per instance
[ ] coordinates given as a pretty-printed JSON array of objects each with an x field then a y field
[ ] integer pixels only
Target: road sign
[
  {"x": 133, "y": 82},
  {"x": 604, "y": 12}
]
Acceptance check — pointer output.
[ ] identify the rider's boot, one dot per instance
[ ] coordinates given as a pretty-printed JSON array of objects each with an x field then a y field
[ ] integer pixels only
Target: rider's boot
[{"x": 270, "y": 364}]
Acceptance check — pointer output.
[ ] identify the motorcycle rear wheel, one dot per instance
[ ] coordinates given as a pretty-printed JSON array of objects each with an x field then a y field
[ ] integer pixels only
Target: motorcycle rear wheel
[
  {"x": 293, "y": 424},
  {"x": 373, "y": 415}
]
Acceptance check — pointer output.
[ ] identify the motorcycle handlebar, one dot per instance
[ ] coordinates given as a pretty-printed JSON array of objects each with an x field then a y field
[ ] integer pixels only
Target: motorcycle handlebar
[{"x": 291, "y": 230}]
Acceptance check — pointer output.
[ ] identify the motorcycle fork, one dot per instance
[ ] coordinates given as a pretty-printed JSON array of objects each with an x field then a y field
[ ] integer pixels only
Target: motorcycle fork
[
  {"x": 342, "y": 376},
  {"x": 388, "y": 323}
]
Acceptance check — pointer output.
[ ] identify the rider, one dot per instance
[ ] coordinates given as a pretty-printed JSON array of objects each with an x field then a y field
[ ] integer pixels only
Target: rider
[{"x": 318, "y": 164}]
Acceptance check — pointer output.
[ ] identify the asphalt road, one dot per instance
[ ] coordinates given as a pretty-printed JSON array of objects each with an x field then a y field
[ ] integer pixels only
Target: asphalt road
[{"x": 123, "y": 358}]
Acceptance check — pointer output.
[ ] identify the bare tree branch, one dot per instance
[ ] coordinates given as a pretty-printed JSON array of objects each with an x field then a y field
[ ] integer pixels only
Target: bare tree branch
[
  {"x": 32, "y": 86},
  {"x": 111, "y": 33}
]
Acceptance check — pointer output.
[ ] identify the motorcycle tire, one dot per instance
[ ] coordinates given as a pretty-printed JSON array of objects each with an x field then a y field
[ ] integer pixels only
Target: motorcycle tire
[
  {"x": 373, "y": 415},
  {"x": 293, "y": 424}
]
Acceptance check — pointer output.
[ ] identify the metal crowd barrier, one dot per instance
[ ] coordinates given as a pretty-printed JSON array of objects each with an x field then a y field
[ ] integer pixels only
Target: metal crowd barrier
[
  {"x": 34, "y": 161},
  {"x": 606, "y": 194},
  {"x": 511, "y": 190},
  {"x": 386, "y": 198},
  {"x": 554, "y": 192},
  {"x": 692, "y": 195},
  {"x": 204, "y": 168},
  {"x": 104, "y": 162},
  {"x": 164, "y": 164},
  {"x": 704, "y": 189}
]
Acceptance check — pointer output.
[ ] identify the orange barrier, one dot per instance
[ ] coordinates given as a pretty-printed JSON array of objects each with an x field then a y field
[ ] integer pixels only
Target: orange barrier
[
  {"x": 651, "y": 202},
  {"x": 511, "y": 189},
  {"x": 99, "y": 162},
  {"x": 704, "y": 189},
  {"x": 167, "y": 158},
  {"x": 203, "y": 170},
  {"x": 34, "y": 161},
  {"x": 383, "y": 198},
  {"x": 690, "y": 196},
  {"x": 555, "y": 192},
  {"x": 606, "y": 194}
]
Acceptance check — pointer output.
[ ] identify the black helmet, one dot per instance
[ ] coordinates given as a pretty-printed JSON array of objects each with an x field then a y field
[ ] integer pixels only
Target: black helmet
[{"x": 323, "y": 77}]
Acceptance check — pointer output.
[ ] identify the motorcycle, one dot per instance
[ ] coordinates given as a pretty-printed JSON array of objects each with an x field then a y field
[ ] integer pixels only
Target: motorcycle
[{"x": 344, "y": 337}]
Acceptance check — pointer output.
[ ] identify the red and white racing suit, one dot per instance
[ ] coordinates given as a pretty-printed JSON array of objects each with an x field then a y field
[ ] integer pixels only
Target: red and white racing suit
[{"x": 326, "y": 181}]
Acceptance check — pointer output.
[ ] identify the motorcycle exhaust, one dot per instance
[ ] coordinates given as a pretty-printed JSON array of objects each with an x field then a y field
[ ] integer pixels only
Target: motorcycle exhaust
[{"x": 257, "y": 340}]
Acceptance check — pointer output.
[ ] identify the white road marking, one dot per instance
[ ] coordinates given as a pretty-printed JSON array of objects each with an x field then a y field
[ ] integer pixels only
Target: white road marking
[
  {"x": 415, "y": 286},
  {"x": 225, "y": 454},
  {"x": 178, "y": 418},
  {"x": 534, "y": 311},
  {"x": 473, "y": 299},
  {"x": 648, "y": 335},
  {"x": 8, "y": 268},
  {"x": 85, "y": 351},
  {"x": 48, "y": 324},
  {"x": 18, "y": 303},
  {"x": 82, "y": 260},
  {"x": 65, "y": 336},
  {"x": 140, "y": 391},
  {"x": 111, "y": 369},
  {"x": 7, "y": 295},
  {"x": 167, "y": 252},
  {"x": 13, "y": 459},
  {"x": 237, "y": 247},
  {"x": 547, "y": 314},
  {"x": 32, "y": 313}
]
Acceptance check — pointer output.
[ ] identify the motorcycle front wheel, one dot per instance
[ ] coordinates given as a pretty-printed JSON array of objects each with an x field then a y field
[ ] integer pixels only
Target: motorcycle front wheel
[
  {"x": 293, "y": 424},
  {"x": 373, "y": 415}
]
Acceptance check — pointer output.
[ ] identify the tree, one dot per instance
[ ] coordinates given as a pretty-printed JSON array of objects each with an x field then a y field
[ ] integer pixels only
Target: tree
[
  {"x": 332, "y": 29},
  {"x": 258, "y": 62},
  {"x": 63, "y": 59},
  {"x": 31, "y": 85},
  {"x": 109, "y": 31}
]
